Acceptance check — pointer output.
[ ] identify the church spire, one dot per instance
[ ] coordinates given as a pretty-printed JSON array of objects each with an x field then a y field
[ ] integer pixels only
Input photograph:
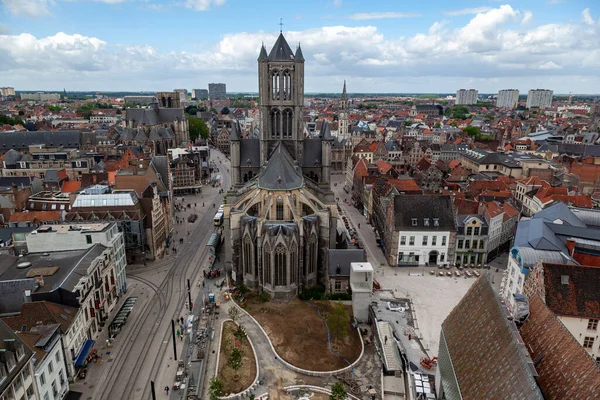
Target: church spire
[
  {"x": 299, "y": 56},
  {"x": 263, "y": 53},
  {"x": 344, "y": 94}
]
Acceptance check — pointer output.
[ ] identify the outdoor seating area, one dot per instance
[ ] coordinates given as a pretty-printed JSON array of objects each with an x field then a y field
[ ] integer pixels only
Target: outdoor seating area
[{"x": 121, "y": 317}]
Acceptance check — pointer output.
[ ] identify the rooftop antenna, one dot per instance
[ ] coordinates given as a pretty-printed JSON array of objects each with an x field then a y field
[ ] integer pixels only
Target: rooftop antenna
[{"x": 280, "y": 25}]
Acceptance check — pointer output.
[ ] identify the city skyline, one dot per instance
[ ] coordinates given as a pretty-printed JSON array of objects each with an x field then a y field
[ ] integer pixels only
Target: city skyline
[{"x": 383, "y": 48}]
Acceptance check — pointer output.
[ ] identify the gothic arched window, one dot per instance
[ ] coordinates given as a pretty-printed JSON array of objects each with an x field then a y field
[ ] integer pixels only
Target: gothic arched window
[
  {"x": 286, "y": 85},
  {"x": 280, "y": 266},
  {"x": 164, "y": 101},
  {"x": 267, "y": 266},
  {"x": 275, "y": 85},
  {"x": 247, "y": 255},
  {"x": 312, "y": 254},
  {"x": 275, "y": 123},
  {"x": 293, "y": 265},
  {"x": 288, "y": 118},
  {"x": 169, "y": 102},
  {"x": 279, "y": 208}
]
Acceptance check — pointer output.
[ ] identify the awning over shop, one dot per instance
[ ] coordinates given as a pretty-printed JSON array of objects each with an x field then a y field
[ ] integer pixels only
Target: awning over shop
[
  {"x": 83, "y": 353},
  {"x": 215, "y": 240}
]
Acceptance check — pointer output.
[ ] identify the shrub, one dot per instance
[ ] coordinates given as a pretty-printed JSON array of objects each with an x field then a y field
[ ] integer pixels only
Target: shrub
[
  {"x": 264, "y": 297},
  {"x": 340, "y": 296},
  {"x": 235, "y": 358},
  {"x": 243, "y": 289},
  {"x": 240, "y": 333},
  {"x": 314, "y": 293}
]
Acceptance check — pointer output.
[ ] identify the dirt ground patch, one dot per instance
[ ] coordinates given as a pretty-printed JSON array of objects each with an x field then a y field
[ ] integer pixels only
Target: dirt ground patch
[
  {"x": 235, "y": 381},
  {"x": 299, "y": 335}
]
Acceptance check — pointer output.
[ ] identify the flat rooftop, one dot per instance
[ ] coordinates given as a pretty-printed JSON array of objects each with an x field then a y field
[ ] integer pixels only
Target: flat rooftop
[{"x": 80, "y": 228}]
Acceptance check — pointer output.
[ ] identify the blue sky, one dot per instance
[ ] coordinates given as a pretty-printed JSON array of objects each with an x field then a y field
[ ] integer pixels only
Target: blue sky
[{"x": 378, "y": 46}]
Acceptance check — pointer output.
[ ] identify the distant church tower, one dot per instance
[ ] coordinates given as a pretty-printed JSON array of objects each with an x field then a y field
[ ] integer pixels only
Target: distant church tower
[
  {"x": 281, "y": 99},
  {"x": 343, "y": 115}
]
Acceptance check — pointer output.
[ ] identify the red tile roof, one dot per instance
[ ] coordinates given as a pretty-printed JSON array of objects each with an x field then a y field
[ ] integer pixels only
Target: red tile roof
[
  {"x": 453, "y": 164},
  {"x": 486, "y": 358},
  {"x": 361, "y": 169},
  {"x": 580, "y": 297},
  {"x": 557, "y": 351},
  {"x": 70, "y": 186},
  {"x": 405, "y": 185},
  {"x": 44, "y": 313},
  {"x": 35, "y": 216},
  {"x": 384, "y": 167}
]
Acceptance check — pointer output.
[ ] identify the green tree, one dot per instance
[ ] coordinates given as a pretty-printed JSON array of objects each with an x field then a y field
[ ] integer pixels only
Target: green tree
[
  {"x": 119, "y": 112},
  {"x": 197, "y": 128},
  {"x": 21, "y": 112},
  {"x": 240, "y": 333},
  {"x": 338, "y": 392},
  {"x": 472, "y": 131},
  {"x": 191, "y": 110},
  {"x": 437, "y": 125},
  {"x": 338, "y": 320},
  {"x": 234, "y": 313},
  {"x": 225, "y": 111},
  {"x": 235, "y": 358},
  {"x": 215, "y": 388},
  {"x": 54, "y": 109}
]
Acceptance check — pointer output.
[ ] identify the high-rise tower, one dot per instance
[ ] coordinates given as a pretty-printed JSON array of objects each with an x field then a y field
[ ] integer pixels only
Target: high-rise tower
[{"x": 281, "y": 99}]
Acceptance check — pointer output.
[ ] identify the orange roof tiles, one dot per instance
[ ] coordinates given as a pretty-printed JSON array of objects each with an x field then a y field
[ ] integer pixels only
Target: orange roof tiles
[
  {"x": 384, "y": 167},
  {"x": 556, "y": 350},
  {"x": 361, "y": 169},
  {"x": 35, "y": 215},
  {"x": 70, "y": 186},
  {"x": 405, "y": 185}
]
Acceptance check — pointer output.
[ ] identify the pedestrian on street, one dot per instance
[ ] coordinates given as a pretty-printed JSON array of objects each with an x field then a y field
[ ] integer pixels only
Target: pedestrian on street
[
  {"x": 181, "y": 320},
  {"x": 358, "y": 226},
  {"x": 167, "y": 390},
  {"x": 177, "y": 333},
  {"x": 385, "y": 339}
]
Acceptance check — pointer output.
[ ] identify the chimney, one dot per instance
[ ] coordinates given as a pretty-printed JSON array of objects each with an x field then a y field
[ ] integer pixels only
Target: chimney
[{"x": 571, "y": 246}]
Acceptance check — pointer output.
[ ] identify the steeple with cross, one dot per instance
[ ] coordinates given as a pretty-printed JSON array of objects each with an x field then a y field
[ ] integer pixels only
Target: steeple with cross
[{"x": 280, "y": 25}]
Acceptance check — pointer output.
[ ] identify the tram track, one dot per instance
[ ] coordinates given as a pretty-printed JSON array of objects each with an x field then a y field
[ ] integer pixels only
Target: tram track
[{"x": 165, "y": 295}]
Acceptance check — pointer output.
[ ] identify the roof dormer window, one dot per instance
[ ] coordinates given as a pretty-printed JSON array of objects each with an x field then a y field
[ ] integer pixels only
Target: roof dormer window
[
  {"x": 414, "y": 222},
  {"x": 426, "y": 221}
]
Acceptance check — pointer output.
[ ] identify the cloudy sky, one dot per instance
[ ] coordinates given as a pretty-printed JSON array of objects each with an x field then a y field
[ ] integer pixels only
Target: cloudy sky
[{"x": 377, "y": 46}]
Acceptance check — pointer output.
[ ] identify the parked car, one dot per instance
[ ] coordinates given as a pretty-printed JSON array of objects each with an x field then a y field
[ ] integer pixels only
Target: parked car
[{"x": 193, "y": 218}]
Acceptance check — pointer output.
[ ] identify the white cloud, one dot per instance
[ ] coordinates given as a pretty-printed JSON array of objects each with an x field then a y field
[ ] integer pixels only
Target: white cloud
[
  {"x": 203, "y": 5},
  {"x": 587, "y": 17},
  {"x": 527, "y": 16},
  {"x": 382, "y": 15},
  {"x": 337, "y": 3},
  {"x": 492, "y": 50},
  {"x": 30, "y": 8},
  {"x": 4, "y": 29},
  {"x": 475, "y": 10}
]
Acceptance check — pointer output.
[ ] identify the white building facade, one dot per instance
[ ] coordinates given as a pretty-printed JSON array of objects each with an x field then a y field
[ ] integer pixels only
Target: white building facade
[
  {"x": 541, "y": 98},
  {"x": 50, "y": 371},
  {"x": 418, "y": 248},
  {"x": 466, "y": 96},
  {"x": 508, "y": 98}
]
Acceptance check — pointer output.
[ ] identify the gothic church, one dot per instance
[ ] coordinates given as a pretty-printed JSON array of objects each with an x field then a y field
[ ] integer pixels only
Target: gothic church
[{"x": 281, "y": 213}]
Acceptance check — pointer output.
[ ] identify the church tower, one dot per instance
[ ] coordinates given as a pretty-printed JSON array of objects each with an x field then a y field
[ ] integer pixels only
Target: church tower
[
  {"x": 281, "y": 99},
  {"x": 343, "y": 115}
]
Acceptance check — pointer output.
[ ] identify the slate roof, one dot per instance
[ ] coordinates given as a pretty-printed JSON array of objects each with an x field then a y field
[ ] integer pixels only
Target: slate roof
[
  {"x": 263, "y": 54},
  {"x": 313, "y": 151},
  {"x": 235, "y": 132},
  {"x": 6, "y": 233},
  {"x": 281, "y": 51},
  {"x": 281, "y": 171},
  {"x": 22, "y": 140},
  {"x": 11, "y": 157},
  {"x": 580, "y": 297},
  {"x": 6, "y": 333},
  {"x": 341, "y": 258},
  {"x": 250, "y": 151},
  {"x": 559, "y": 211},
  {"x": 487, "y": 359},
  {"x": 299, "y": 56},
  {"x": 325, "y": 133},
  {"x": 427, "y": 206}
]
